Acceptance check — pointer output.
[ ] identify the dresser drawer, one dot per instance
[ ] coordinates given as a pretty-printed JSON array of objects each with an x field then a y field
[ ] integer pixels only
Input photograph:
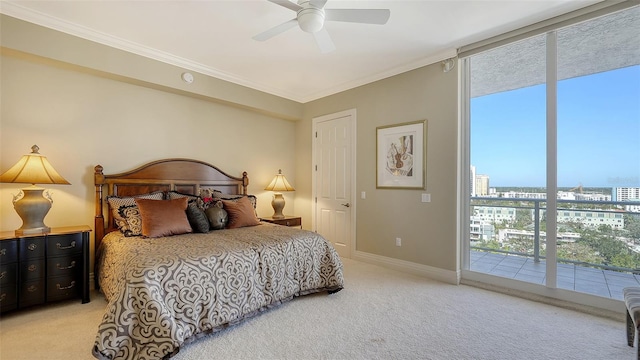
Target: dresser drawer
[
  {"x": 62, "y": 245},
  {"x": 32, "y": 248},
  {"x": 8, "y": 273},
  {"x": 8, "y": 297},
  {"x": 32, "y": 269},
  {"x": 8, "y": 251},
  {"x": 32, "y": 293},
  {"x": 62, "y": 287},
  {"x": 38, "y": 268},
  {"x": 65, "y": 266}
]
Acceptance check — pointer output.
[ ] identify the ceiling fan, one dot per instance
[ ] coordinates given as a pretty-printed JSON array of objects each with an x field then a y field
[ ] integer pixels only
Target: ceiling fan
[{"x": 311, "y": 16}]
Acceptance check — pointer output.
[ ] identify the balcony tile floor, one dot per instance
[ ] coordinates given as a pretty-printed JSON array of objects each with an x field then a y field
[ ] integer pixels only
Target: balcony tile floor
[{"x": 593, "y": 281}]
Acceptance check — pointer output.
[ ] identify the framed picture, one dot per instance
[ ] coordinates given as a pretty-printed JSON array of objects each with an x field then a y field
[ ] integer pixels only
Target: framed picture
[{"x": 401, "y": 156}]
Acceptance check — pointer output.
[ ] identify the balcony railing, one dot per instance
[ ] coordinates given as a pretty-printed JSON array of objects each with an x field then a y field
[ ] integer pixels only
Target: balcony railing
[{"x": 584, "y": 218}]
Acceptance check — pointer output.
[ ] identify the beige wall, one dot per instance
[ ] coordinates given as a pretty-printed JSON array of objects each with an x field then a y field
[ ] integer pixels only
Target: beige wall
[
  {"x": 80, "y": 120},
  {"x": 121, "y": 110},
  {"x": 428, "y": 230}
]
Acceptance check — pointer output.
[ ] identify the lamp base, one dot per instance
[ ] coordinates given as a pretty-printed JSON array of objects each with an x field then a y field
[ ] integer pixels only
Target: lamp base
[
  {"x": 278, "y": 204},
  {"x": 33, "y": 231},
  {"x": 32, "y": 208}
]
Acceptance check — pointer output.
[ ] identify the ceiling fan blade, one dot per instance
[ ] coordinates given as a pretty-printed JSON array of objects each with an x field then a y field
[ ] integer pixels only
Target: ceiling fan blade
[
  {"x": 318, "y": 3},
  {"x": 266, "y": 35},
  {"x": 366, "y": 16},
  {"x": 323, "y": 39},
  {"x": 288, "y": 4}
]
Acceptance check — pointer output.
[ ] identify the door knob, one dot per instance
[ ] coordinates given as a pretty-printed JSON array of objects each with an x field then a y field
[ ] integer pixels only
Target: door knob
[{"x": 345, "y": 205}]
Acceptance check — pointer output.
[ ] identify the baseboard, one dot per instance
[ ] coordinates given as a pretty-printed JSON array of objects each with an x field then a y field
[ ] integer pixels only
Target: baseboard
[
  {"x": 447, "y": 276},
  {"x": 590, "y": 304}
]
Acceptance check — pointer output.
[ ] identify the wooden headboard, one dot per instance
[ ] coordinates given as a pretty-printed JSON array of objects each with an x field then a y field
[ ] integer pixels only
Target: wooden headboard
[{"x": 183, "y": 175}]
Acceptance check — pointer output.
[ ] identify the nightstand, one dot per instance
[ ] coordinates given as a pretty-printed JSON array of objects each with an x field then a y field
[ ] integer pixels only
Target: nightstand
[
  {"x": 286, "y": 221},
  {"x": 40, "y": 268}
]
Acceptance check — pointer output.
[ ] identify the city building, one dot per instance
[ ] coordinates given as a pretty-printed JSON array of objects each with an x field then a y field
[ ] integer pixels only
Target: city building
[
  {"x": 494, "y": 214},
  {"x": 504, "y": 235},
  {"x": 626, "y": 194},
  {"x": 480, "y": 229},
  {"x": 590, "y": 218},
  {"x": 472, "y": 180},
  {"x": 482, "y": 185}
]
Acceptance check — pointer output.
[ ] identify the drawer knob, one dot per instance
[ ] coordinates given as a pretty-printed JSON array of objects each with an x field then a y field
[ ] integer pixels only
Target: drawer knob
[
  {"x": 71, "y": 266},
  {"x": 32, "y": 246},
  {"x": 3, "y": 274},
  {"x": 2, "y": 297},
  {"x": 3, "y": 252},
  {"x": 32, "y": 267},
  {"x": 32, "y": 288},
  {"x": 60, "y": 287},
  {"x": 71, "y": 246}
]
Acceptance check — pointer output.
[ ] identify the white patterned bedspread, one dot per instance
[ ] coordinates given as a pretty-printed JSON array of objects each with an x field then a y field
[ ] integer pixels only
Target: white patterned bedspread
[{"x": 166, "y": 292}]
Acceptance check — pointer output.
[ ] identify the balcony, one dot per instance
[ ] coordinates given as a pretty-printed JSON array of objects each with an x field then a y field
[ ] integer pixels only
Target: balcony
[{"x": 514, "y": 246}]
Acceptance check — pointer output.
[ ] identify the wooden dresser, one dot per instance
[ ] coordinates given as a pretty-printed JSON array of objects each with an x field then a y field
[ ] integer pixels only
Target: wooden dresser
[
  {"x": 40, "y": 268},
  {"x": 285, "y": 221}
]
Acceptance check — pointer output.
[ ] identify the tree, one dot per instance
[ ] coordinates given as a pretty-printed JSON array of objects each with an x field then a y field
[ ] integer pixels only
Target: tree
[
  {"x": 632, "y": 225},
  {"x": 615, "y": 252},
  {"x": 523, "y": 218},
  {"x": 578, "y": 252}
]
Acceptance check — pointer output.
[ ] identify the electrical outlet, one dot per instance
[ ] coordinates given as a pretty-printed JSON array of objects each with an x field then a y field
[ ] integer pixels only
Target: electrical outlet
[
  {"x": 398, "y": 242},
  {"x": 363, "y": 195},
  {"x": 426, "y": 197}
]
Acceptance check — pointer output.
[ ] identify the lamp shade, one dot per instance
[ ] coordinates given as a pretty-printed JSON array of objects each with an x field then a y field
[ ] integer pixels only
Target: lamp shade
[
  {"x": 33, "y": 169},
  {"x": 279, "y": 183},
  {"x": 34, "y": 204}
]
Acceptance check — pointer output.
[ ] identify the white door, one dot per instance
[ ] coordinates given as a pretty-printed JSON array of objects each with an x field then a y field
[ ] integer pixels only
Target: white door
[{"x": 334, "y": 180}]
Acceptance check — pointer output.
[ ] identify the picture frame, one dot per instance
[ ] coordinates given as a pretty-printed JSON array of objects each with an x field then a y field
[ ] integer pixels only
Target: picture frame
[{"x": 401, "y": 153}]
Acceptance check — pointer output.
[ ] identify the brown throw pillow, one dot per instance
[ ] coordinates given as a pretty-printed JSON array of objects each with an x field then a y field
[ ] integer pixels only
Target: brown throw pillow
[
  {"x": 163, "y": 217},
  {"x": 240, "y": 212}
]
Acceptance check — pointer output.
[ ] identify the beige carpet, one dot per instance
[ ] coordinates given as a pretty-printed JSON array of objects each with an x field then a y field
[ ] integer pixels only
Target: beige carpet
[{"x": 381, "y": 314}]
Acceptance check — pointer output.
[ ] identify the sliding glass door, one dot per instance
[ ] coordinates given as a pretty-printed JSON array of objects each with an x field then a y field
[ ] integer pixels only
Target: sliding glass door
[
  {"x": 507, "y": 159},
  {"x": 598, "y": 153},
  {"x": 554, "y": 157}
]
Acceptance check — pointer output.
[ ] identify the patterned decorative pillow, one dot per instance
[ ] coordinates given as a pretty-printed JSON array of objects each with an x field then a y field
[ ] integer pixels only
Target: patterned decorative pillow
[
  {"x": 126, "y": 213},
  {"x": 197, "y": 218},
  {"x": 252, "y": 198},
  {"x": 203, "y": 201},
  {"x": 172, "y": 195}
]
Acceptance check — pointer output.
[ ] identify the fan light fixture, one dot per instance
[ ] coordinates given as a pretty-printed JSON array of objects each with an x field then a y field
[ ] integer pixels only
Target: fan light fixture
[
  {"x": 311, "y": 15},
  {"x": 311, "y": 19}
]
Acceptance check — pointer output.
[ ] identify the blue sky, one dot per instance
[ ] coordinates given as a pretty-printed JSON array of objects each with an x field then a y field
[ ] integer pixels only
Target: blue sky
[{"x": 598, "y": 132}]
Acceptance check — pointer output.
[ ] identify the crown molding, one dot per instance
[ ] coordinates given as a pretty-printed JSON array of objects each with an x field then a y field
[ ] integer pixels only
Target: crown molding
[
  {"x": 54, "y": 23},
  {"x": 29, "y": 15},
  {"x": 443, "y": 55}
]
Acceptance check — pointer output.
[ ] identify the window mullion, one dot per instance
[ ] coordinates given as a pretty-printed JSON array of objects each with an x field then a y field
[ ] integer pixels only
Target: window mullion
[{"x": 552, "y": 157}]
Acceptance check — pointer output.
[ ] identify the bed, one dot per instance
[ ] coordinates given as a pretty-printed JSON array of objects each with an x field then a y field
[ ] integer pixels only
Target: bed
[{"x": 166, "y": 289}]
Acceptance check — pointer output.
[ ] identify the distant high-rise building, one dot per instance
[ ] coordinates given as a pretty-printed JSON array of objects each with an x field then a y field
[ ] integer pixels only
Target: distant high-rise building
[
  {"x": 482, "y": 185},
  {"x": 626, "y": 194},
  {"x": 472, "y": 180}
]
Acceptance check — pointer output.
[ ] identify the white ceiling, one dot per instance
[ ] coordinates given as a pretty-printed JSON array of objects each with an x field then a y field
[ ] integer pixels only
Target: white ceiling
[{"x": 215, "y": 37}]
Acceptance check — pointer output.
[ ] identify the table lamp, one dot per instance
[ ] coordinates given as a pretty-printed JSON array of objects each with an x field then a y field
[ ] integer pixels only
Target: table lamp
[
  {"x": 34, "y": 204},
  {"x": 278, "y": 184}
]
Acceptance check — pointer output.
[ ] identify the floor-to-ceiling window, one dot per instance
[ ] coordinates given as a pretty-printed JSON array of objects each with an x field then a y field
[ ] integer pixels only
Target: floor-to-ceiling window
[{"x": 553, "y": 156}]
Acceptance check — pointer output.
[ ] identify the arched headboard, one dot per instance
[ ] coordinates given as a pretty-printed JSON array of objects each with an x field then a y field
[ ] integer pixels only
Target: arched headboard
[{"x": 183, "y": 175}]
